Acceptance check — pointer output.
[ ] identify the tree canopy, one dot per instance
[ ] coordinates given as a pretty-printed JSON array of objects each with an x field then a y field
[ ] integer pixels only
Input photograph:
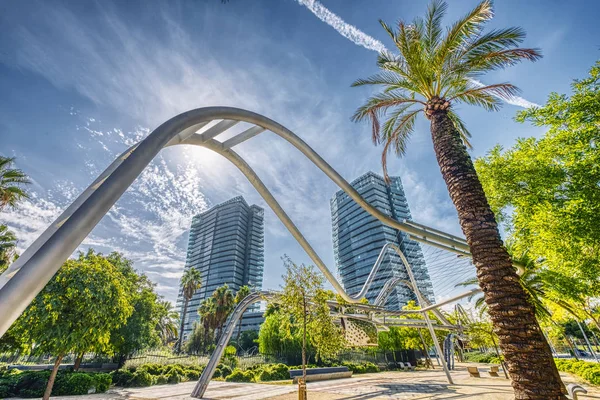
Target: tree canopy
[{"x": 547, "y": 190}]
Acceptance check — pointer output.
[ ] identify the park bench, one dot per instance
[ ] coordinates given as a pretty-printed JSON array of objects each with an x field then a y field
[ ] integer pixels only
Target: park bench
[
  {"x": 407, "y": 366},
  {"x": 321, "y": 374},
  {"x": 474, "y": 372},
  {"x": 494, "y": 369},
  {"x": 573, "y": 389}
]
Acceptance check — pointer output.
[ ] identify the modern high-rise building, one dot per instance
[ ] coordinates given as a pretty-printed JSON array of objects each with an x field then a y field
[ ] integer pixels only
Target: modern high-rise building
[
  {"x": 359, "y": 237},
  {"x": 226, "y": 244}
]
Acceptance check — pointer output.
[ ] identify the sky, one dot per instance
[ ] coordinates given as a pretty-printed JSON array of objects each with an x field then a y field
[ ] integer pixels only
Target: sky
[{"x": 82, "y": 81}]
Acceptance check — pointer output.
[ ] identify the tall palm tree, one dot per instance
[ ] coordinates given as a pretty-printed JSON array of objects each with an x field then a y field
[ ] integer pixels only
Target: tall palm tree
[
  {"x": 241, "y": 294},
  {"x": 433, "y": 71},
  {"x": 207, "y": 311},
  {"x": 8, "y": 243},
  {"x": 190, "y": 283},
  {"x": 11, "y": 183},
  {"x": 224, "y": 303}
]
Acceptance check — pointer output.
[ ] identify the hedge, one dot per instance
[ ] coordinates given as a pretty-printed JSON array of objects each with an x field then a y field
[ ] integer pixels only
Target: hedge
[
  {"x": 589, "y": 371},
  {"x": 155, "y": 374},
  {"x": 14, "y": 383},
  {"x": 476, "y": 356}
]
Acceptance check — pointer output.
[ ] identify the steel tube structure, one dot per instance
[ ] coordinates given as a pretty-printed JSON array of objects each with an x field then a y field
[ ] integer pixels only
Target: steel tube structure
[{"x": 30, "y": 273}]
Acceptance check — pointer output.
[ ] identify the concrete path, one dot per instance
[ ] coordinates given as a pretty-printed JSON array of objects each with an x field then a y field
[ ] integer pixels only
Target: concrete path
[{"x": 385, "y": 385}]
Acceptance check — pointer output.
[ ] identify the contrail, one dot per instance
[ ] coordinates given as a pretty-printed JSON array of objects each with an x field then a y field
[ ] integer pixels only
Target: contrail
[
  {"x": 360, "y": 38},
  {"x": 345, "y": 29}
]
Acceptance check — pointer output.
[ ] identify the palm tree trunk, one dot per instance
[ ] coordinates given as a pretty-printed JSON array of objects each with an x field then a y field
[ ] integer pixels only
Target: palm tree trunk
[
  {"x": 180, "y": 342},
  {"x": 528, "y": 356},
  {"x": 50, "y": 383}
]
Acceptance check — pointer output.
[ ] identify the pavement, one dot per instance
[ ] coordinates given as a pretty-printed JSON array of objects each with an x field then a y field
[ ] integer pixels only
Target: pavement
[{"x": 421, "y": 384}]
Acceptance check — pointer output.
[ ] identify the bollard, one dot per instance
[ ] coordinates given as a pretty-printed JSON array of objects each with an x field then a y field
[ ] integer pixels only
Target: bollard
[{"x": 301, "y": 389}]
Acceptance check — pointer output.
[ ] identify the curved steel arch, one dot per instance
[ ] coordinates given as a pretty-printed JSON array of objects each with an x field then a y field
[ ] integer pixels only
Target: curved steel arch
[{"x": 29, "y": 274}]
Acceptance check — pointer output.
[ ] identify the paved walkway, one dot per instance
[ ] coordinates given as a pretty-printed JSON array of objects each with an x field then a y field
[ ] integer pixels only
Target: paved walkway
[{"x": 386, "y": 385}]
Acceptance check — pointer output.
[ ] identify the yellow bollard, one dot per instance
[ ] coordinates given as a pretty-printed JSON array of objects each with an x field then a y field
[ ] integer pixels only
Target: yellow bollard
[{"x": 301, "y": 389}]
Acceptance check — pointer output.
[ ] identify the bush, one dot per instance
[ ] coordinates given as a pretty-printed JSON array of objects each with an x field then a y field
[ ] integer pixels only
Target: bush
[
  {"x": 153, "y": 368},
  {"x": 587, "y": 370},
  {"x": 80, "y": 383},
  {"x": 142, "y": 378},
  {"x": 225, "y": 371},
  {"x": 489, "y": 358},
  {"x": 173, "y": 377},
  {"x": 191, "y": 374},
  {"x": 103, "y": 382},
  {"x": 122, "y": 377},
  {"x": 162, "y": 380},
  {"x": 241, "y": 376},
  {"x": 274, "y": 372}
]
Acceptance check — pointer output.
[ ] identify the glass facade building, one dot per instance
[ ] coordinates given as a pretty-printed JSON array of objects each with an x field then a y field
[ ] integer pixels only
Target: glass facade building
[
  {"x": 359, "y": 237},
  {"x": 226, "y": 244}
]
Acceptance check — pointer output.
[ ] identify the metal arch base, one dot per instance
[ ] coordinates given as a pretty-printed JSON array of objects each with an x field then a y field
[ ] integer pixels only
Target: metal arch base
[{"x": 27, "y": 276}]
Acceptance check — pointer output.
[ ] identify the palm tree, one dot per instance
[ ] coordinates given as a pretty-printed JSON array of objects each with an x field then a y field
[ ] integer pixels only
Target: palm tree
[
  {"x": 434, "y": 71},
  {"x": 167, "y": 323},
  {"x": 224, "y": 303},
  {"x": 207, "y": 311},
  {"x": 190, "y": 283},
  {"x": 8, "y": 243},
  {"x": 241, "y": 294},
  {"x": 11, "y": 182}
]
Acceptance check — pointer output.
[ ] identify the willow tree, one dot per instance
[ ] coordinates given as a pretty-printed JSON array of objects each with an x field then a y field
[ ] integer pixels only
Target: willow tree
[{"x": 434, "y": 70}]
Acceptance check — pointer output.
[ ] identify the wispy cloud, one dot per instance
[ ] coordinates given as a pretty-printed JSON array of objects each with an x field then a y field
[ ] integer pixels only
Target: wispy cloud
[
  {"x": 345, "y": 29},
  {"x": 360, "y": 38}
]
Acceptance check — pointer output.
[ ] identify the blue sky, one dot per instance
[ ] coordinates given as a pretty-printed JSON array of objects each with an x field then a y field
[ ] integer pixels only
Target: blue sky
[{"x": 80, "y": 81}]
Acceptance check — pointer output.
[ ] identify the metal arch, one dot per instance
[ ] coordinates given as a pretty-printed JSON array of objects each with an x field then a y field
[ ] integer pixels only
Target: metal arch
[
  {"x": 215, "y": 357},
  {"x": 30, "y": 273}
]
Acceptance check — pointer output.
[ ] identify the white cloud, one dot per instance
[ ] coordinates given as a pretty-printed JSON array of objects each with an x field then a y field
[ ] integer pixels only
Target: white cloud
[{"x": 345, "y": 29}]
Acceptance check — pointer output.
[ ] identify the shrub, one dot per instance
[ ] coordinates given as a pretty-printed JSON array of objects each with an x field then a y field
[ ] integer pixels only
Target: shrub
[
  {"x": 142, "y": 378},
  {"x": 80, "y": 383},
  {"x": 191, "y": 374},
  {"x": 122, "y": 377},
  {"x": 103, "y": 382},
  {"x": 241, "y": 376},
  {"x": 274, "y": 372},
  {"x": 162, "y": 380},
  {"x": 173, "y": 377},
  {"x": 586, "y": 370},
  {"x": 225, "y": 371},
  {"x": 153, "y": 368}
]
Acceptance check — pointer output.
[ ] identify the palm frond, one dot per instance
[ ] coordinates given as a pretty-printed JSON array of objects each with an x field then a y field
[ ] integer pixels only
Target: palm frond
[
  {"x": 397, "y": 130},
  {"x": 484, "y": 62},
  {"x": 471, "y": 24},
  {"x": 433, "y": 24},
  {"x": 460, "y": 126}
]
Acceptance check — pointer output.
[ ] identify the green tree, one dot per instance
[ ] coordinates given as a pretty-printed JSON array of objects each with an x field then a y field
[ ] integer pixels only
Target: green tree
[
  {"x": 279, "y": 337},
  {"x": 8, "y": 243},
  {"x": 11, "y": 183},
  {"x": 224, "y": 303},
  {"x": 207, "y": 312},
  {"x": 546, "y": 191},
  {"x": 167, "y": 322},
  {"x": 432, "y": 72},
  {"x": 241, "y": 294},
  {"x": 304, "y": 300},
  {"x": 77, "y": 311},
  {"x": 190, "y": 282}
]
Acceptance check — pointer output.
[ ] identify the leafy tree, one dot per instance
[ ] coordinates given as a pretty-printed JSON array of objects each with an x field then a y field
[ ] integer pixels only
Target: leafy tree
[
  {"x": 77, "y": 311},
  {"x": 279, "y": 337},
  {"x": 197, "y": 343},
  {"x": 546, "y": 191},
  {"x": 8, "y": 243},
  {"x": 248, "y": 340},
  {"x": 432, "y": 72},
  {"x": 190, "y": 282},
  {"x": 11, "y": 183},
  {"x": 304, "y": 300}
]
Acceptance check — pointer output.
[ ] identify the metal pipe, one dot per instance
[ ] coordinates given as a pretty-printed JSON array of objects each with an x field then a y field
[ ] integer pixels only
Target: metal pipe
[{"x": 587, "y": 341}]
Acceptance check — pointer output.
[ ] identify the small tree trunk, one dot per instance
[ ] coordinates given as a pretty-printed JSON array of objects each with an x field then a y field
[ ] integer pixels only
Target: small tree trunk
[
  {"x": 52, "y": 377},
  {"x": 527, "y": 354},
  {"x": 304, "y": 341},
  {"x": 78, "y": 362},
  {"x": 121, "y": 360},
  {"x": 180, "y": 341},
  {"x": 427, "y": 359}
]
